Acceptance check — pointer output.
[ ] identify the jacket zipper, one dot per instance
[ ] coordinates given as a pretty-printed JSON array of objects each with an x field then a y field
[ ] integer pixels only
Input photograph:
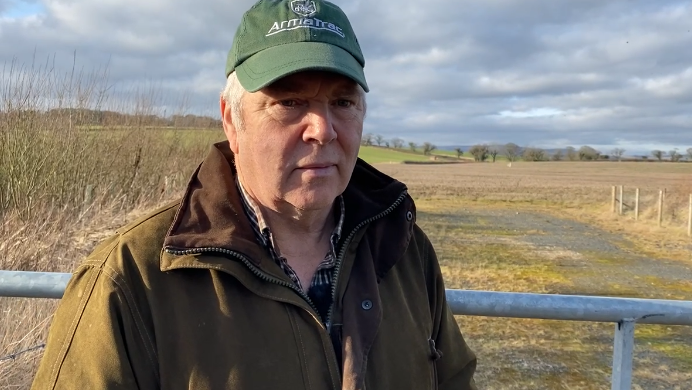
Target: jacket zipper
[
  {"x": 268, "y": 278},
  {"x": 255, "y": 270},
  {"x": 342, "y": 252}
]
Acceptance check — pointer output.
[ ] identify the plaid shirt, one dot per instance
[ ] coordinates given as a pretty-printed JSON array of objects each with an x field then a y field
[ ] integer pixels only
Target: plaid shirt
[{"x": 319, "y": 291}]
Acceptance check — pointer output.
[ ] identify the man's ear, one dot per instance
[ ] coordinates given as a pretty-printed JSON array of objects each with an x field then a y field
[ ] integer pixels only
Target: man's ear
[{"x": 229, "y": 127}]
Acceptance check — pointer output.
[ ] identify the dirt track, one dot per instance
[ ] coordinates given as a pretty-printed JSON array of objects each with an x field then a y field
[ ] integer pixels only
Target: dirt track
[
  {"x": 609, "y": 258},
  {"x": 594, "y": 262}
]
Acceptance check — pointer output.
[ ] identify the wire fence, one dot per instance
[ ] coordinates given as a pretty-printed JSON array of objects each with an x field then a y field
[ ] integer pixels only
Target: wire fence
[{"x": 15, "y": 355}]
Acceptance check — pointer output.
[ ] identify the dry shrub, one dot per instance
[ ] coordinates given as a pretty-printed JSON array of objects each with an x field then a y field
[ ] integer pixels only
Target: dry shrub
[
  {"x": 66, "y": 184},
  {"x": 50, "y": 158}
]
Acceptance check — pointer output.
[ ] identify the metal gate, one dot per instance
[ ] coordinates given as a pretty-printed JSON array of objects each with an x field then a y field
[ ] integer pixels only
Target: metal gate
[{"x": 625, "y": 313}]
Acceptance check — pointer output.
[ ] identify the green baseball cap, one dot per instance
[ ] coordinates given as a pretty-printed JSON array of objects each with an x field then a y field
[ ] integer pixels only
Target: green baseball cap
[{"x": 277, "y": 38}]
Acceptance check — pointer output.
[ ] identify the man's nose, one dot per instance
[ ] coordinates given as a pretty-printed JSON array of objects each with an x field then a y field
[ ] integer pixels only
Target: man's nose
[{"x": 320, "y": 126}]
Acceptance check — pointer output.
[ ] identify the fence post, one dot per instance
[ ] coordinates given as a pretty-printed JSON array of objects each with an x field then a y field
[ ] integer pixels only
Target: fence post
[
  {"x": 622, "y": 355},
  {"x": 660, "y": 207},
  {"x": 621, "y": 200},
  {"x": 689, "y": 219},
  {"x": 613, "y": 201},
  {"x": 636, "y": 205},
  {"x": 88, "y": 194}
]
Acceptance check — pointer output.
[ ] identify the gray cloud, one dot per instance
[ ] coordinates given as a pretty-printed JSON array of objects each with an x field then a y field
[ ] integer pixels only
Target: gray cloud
[{"x": 545, "y": 73}]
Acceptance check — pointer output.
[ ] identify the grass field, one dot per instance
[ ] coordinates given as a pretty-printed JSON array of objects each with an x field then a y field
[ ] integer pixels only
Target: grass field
[
  {"x": 581, "y": 190},
  {"x": 375, "y": 155}
]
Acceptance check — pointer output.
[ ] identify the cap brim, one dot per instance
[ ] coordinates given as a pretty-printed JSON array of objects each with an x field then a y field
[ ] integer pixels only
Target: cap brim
[{"x": 277, "y": 62}]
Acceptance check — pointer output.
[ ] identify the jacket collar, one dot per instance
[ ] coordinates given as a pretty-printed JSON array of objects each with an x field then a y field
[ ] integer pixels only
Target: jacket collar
[{"x": 211, "y": 213}]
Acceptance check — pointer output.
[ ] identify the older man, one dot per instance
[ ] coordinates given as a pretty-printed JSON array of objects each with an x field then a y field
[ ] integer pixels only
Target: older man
[{"x": 288, "y": 263}]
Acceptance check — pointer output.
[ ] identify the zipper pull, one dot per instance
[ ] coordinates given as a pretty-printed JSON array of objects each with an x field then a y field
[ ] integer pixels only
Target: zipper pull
[{"x": 435, "y": 353}]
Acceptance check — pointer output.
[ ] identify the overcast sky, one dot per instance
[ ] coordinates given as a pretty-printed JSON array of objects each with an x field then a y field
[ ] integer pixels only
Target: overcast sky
[{"x": 546, "y": 73}]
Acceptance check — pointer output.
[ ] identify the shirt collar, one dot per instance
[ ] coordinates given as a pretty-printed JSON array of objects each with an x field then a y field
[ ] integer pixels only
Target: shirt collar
[{"x": 261, "y": 228}]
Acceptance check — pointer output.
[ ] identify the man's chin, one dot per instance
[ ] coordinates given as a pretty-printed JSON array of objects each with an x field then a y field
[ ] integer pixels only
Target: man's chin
[{"x": 313, "y": 201}]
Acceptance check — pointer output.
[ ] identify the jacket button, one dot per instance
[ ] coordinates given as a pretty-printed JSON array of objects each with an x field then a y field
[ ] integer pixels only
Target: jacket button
[
  {"x": 409, "y": 216},
  {"x": 366, "y": 304}
]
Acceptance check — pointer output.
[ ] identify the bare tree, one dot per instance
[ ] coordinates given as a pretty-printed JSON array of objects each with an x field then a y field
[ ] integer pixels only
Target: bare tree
[
  {"x": 617, "y": 153},
  {"x": 587, "y": 153},
  {"x": 571, "y": 153},
  {"x": 674, "y": 155},
  {"x": 533, "y": 154},
  {"x": 557, "y": 156},
  {"x": 366, "y": 140},
  {"x": 398, "y": 143},
  {"x": 479, "y": 152},
  {"x": 493, "y": 153},
  {"x": 412, "y": 146},
  {"x": 379, "y": 139},
  {"x": 689, "y": 154},
  {"x": 512, "y": 151},
  {"x": 658, "y": 154},
  {"x": 428, "y": 148},
  {"x": 461, "y": 152}
]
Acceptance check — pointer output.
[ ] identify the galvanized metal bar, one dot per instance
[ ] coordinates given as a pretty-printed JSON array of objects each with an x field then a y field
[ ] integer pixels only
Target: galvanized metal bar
[
  {"x": 623, "y": 350},
  {"x": 569, "y": 307},
  {"x": 625, "y": 312},
  {"x": 33, "y": 284},
  {"x": 462, "y": 302}
]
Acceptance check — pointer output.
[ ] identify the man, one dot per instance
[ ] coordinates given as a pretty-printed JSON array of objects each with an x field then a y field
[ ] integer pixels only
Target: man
[{"x": 287, "y": 264}]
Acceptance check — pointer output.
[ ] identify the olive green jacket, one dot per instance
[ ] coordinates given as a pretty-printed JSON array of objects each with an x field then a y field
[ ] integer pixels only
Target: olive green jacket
[{"x": 185, "y": 298}]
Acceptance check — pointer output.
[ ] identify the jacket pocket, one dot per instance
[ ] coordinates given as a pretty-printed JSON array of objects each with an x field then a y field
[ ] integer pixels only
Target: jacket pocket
[{"x": 435, "y": 355}]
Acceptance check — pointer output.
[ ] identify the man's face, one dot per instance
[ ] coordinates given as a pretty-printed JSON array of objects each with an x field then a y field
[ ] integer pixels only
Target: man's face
[{"x": 300, "y": 140}]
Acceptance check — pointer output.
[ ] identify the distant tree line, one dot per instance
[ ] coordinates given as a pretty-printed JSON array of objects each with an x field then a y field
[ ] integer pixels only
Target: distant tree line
[
  {"x": 370, "y": 139},
  {"x": 79, "y": 117},
  {"x": 672, "y": 155},
  {"x": 513, "y": 152}
]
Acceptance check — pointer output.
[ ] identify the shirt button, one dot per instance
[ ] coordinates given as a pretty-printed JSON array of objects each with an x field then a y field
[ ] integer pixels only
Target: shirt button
[
  {"x": 409, "y": 216},
  {"x": 366, "y": 304}
]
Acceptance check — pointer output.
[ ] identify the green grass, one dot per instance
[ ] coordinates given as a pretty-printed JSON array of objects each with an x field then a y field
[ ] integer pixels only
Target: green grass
[
  {"x": 181, "y": 136},
  {"x": 374, "y": 155},
  {"x": 448, "y": 153},
  {"x": 465, "y": 155}
]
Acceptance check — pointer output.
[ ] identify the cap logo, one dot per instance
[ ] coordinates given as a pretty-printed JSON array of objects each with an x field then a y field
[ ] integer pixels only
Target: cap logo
[{"x": 304, "y": 8}]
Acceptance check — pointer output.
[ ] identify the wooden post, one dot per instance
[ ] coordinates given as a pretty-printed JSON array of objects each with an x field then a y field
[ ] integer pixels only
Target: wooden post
[
  {"x": 660, "y": 207},
  {"x": 689, "y": 219},
  {"x": 613, "y": 201},
  {"x": 636, "y": 205},
  {"x": 621, "y": 200},
  {"x": 89, "y": 194}
]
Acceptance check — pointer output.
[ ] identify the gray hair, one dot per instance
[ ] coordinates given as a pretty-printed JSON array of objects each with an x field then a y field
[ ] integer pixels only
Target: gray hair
[{"x": 233, "y": 93}]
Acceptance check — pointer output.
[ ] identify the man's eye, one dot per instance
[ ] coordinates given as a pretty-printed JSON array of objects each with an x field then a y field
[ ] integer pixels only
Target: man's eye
[
  {"x": 344, "y": 103},
  {"x": 288, "y": 103}
]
